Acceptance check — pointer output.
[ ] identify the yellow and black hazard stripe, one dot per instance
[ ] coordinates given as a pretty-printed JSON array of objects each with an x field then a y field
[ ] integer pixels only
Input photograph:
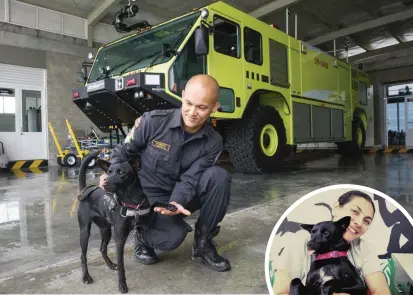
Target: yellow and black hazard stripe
[
  {"x": 400, "y": 150},
  {"x": 27, "y": 164}
]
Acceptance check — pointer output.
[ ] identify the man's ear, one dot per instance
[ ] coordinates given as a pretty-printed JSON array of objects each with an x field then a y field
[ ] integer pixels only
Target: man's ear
[
  {"x": 103, "y": 164},
  {"x": 343, "y": 223},
  {"x": 307, "y": 227},
  {"x": 216, "y": 107}
]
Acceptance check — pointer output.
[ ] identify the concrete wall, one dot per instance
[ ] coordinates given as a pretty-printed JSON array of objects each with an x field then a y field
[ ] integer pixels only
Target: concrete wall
[
  {"x": 61, "y": 79},
  {"x": 379, "y": 78}
]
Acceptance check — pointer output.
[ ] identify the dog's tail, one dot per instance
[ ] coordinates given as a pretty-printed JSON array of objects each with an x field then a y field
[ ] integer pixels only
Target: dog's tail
[
  {"x": 83, "y": 168},
  {"x": 327, "y": 206}
]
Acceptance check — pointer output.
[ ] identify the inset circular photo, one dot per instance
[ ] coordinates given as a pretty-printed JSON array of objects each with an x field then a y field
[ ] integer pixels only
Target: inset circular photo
[{"x": 341, "y": 239}]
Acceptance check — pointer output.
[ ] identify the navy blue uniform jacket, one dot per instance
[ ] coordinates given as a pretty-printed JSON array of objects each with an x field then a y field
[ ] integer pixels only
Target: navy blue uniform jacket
[{"x": 170, "y": 166}]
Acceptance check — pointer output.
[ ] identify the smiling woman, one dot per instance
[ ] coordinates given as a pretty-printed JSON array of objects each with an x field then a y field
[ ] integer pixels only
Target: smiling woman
[{"x": 290, "y": 251}]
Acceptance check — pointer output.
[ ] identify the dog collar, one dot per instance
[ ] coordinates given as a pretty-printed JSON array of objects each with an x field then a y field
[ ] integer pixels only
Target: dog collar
[
  {"x": 332, "y": 254},
  {"x": 129, "y": 210},
  {"x": 125, "y": 212}
]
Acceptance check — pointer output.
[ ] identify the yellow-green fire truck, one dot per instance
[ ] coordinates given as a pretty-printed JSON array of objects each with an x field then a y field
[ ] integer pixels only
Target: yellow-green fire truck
[{"x": 276, "y": 91}]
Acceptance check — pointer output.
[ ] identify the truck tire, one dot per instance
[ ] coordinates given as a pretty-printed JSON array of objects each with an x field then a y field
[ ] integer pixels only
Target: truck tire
[
  {"x": 257, "y": 143},
  {"x": 356, "y": 145}
]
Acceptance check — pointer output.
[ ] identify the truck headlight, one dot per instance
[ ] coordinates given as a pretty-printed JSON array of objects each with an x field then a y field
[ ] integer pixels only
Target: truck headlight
[{"x": 151, "y": 79}]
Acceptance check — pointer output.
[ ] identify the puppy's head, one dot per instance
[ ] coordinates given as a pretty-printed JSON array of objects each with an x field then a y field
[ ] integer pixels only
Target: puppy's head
[
  {"x": 120, "y": 174},
  {"x": 327, "y": 235}
]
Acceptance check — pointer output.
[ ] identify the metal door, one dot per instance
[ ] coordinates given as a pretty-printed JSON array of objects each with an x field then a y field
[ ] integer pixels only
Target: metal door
[{"x": 225, "y": 60}]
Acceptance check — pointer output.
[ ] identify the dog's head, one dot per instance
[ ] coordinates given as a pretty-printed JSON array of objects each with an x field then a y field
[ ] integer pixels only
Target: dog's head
[
  {"x": 327, "y": 235},
  {"x": 120, "y": 175}
]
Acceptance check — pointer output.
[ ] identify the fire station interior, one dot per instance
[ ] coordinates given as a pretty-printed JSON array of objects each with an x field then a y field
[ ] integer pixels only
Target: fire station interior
[{"x": 45, "y": 135}]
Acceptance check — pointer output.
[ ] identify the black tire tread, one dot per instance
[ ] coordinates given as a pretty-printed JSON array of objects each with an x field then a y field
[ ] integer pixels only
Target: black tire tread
[{"x": 240, "y": 140}]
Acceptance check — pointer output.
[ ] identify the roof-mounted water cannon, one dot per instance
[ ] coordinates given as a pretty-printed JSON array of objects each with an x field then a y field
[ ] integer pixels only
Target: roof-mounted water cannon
[{"x": 128, "y": 11}]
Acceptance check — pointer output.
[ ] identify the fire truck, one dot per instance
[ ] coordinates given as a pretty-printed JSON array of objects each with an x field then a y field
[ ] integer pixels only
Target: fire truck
[{"x": 276, "y": 92}]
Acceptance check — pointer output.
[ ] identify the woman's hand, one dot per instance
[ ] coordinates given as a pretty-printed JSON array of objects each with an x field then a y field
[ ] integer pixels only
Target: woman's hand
[{"x": 377, "y": 284}]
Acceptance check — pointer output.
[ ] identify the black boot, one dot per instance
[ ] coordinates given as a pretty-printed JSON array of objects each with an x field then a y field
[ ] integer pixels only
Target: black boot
[
  {"x": 204, "y": 251},
  {"x": 144, "y": 254}
]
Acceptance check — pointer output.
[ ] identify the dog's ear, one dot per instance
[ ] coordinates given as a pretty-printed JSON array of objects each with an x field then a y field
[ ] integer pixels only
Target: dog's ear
[
  {"x": 343, "y": 223},
  {"x": 104, "y": 165},
  {"x": 307, "y": 227}
]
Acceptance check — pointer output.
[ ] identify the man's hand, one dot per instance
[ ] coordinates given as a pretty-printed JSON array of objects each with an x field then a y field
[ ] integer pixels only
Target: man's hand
[
  {"x": 181, "y": 210},
  {"x": 102, "y": 180}
]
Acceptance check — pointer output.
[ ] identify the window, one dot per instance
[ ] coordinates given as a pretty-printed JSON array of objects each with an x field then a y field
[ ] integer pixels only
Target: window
[
  {"x": 226, "y": 100},
  {"x": 7, "y": 105},
  {"x": 363, "y": 93},
  {"x": 32, "y": 115},
  {"x": 226, "y": 37},
  {"x": 187, "y": 65},
  {"x": 7, "y": 113},
  {"x": 400, "y": 89},
  {"x": 278, "y": 64},
  {"x": 252, "y": 46},
  {"x": 139, "y": 51}
]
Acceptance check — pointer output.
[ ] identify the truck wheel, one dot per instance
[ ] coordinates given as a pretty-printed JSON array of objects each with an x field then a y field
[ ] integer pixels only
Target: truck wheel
[
  {"x": 356, "y": 146},
  {"x": 257, "y": 143}
]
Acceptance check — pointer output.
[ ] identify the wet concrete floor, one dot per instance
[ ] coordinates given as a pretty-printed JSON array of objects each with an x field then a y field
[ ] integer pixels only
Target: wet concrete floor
[{"x": 38, "y": 227}]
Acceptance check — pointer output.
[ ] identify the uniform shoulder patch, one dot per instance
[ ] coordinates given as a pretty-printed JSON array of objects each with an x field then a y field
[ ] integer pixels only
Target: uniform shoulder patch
[{"x": 161, "y": 112}]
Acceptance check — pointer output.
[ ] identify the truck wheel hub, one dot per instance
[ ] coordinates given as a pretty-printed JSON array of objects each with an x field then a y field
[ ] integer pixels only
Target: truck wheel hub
[{"x": 269, "y": 140}]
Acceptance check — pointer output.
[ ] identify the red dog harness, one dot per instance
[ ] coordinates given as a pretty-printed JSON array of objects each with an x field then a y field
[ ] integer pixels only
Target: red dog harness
[{"x": 332, "y": 254}]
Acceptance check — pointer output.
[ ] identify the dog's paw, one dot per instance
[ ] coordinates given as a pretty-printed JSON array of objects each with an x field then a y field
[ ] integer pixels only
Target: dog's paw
[
  {"x": 113, "y": 266},
  {"x": 87, "y": 279},
  {"x": 123, "y": 288}
]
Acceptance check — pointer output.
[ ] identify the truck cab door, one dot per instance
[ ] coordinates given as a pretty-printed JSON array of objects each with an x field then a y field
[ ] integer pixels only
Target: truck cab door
[{"x": 225, "y": 61}]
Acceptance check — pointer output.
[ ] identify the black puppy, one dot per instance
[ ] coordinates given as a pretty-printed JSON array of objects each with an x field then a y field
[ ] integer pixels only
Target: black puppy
[
  {"x": 331, "y": 271},
  {"x": 122, "y": 205}
]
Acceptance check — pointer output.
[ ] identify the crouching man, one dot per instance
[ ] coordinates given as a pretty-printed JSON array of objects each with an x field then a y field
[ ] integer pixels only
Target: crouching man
[{"x": 178, "y": 150}]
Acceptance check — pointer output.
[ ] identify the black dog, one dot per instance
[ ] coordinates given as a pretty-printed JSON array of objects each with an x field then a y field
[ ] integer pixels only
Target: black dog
[
  {"x": 331, "y": 271},
  {"x": 122, "y": 205}
]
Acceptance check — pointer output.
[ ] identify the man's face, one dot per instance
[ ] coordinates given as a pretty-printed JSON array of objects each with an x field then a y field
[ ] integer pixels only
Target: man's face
[{"x": 198, "y": 103}]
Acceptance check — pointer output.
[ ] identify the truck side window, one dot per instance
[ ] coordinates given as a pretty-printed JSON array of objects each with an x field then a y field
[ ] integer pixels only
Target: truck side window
[
  {"x": 252, "y": 46},
  {"x": 187, "y": 65},
  {"x": 226, "y": 37}
]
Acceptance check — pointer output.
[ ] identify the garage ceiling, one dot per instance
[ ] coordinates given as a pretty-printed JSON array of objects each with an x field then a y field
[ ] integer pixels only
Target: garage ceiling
[{"x": 367, "y": 27}]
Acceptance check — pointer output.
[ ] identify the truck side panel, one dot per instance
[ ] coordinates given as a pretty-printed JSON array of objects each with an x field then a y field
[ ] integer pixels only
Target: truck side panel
[{"x": 319, "y": 77}]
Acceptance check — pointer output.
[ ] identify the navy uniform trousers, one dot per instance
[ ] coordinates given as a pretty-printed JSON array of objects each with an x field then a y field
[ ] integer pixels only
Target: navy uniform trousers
[{"x": 212, "y": 197}]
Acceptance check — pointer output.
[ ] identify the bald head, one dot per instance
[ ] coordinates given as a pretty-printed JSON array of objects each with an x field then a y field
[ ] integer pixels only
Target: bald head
[
  {"x": 199, "y": 100},
  {"x": 205, "y": 84}
]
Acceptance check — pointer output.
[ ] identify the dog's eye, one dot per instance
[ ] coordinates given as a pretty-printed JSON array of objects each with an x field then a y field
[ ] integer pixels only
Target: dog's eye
[
  {"x": 326, "y": 233},
  {"x": 120, "y": 172}
]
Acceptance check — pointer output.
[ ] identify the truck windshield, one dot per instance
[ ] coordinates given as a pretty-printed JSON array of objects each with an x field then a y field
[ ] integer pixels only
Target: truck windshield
[{"x": 141, "y": 50}]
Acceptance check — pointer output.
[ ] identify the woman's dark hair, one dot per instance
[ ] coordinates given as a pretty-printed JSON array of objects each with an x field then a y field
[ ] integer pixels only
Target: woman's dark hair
[{"x": 348, "y": 196}]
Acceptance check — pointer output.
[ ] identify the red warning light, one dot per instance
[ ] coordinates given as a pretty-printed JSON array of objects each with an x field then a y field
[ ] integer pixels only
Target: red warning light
[{"x": 131, "y": 82}]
